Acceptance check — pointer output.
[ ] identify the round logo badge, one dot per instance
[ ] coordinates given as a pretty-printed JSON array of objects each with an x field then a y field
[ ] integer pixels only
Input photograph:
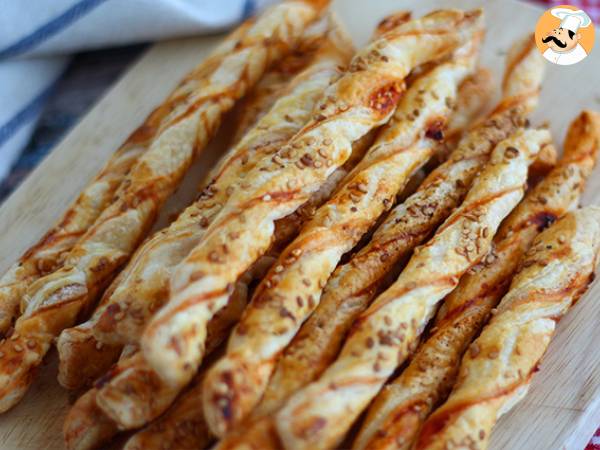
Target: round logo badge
[{"x": 564, "y": 35}]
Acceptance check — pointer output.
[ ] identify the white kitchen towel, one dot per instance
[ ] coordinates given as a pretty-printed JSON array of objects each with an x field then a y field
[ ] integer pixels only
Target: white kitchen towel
[{"x": 37, "y": 36}]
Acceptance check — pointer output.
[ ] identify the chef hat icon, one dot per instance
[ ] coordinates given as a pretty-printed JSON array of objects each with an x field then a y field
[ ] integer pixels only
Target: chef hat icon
[{"x": 570, "y": 19}]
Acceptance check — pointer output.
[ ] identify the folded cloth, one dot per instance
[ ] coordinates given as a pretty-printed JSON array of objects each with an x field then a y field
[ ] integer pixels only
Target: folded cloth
[{"x": 37, "y": 37}]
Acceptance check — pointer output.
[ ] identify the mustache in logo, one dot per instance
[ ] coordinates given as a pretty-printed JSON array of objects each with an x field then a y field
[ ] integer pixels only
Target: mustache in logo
[{"x": 555, "y": 40}]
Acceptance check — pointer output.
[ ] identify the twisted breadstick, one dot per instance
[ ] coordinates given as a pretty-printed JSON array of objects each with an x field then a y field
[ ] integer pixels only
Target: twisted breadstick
[
  {"x": 143, "y": 286},
  {"x": 495, "y": 374},
  {"x": 93, "y": 419},
  {"x": 362, "y": 99},
  {"x": 54, "y": 301},
  {"x": 182, "y": 427},
  {"x": 399, "y": 410},
  {"x": 319, "y": 415},
  {"x": 49, "y": 253},
  {"x": 275, "y": 81},
  {"x": 258, "y": 432},
  {"x": 291, "y": 291},
  {"x": 354, "y": 285}
]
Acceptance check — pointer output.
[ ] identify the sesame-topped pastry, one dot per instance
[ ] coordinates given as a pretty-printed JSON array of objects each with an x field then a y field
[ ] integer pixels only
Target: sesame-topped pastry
[
  {"x": 355, "y": 284},
  {"x": 275, "y": 81},
  {"x": 258, "y": 432},
  {"x": 399, "y": 410},
  {"x": 319, "y": 415},
  {"x": 181, "y": 427},
  {"x": 142, "y": 287},
  {"x": 100, "y": 413},
  {"x": 292, "y": 289},
  {"x": 49, "y": 253},
  {"x": 55, "y": 301},
  {"x": 496, "y": 372},
  {"x": 362, "y": 99}
]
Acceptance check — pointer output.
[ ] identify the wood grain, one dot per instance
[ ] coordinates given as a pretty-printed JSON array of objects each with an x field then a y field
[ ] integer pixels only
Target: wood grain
[{"x": 562, "y": 409}]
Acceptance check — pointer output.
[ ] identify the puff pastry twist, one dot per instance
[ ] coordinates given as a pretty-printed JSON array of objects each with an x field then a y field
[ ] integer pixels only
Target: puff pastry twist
[
  {"x": 49, "y": 253},
  {"x": 362, "y": 99},
  {"x": 399, "y": 410},
  {"x": 55, "y": 301},
  {"x": 142, "y": 288},
  {"x": 319, "y": 415},
  {"x": 355, "y": 284},
  {"x": 496, "y": 371},
  {"x": 258, "y": 431},
  {"x": 291, "y": 290}
]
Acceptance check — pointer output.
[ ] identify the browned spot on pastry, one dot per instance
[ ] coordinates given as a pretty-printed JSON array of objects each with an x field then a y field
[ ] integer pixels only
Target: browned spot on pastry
[
  {"x": 384, "y": 99},
  {"x": 543, "y": 219}
]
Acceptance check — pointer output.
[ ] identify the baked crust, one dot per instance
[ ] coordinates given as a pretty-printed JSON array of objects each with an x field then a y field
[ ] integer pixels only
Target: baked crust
[
  {"x": 497, "y": 370},
  {"x": 355, "y": 284},
  {"x": 49, "y": 253},
  {"x": 55, "y": 301},
  {"x": 291, "y": 290},
  {"x": 319, "y": 415},
  {"x": 399, "y": 410},
  {"x": 130, "y": 394},
  {"x": 362, "y": 99},
  {"x": 143, "y": 286}
]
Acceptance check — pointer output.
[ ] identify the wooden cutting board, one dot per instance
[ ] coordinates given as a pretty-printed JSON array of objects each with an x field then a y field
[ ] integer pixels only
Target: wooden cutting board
[{"x": 562, "y": 409}]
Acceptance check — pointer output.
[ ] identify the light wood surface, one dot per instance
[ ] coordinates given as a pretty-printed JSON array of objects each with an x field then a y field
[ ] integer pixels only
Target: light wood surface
[{"x": 562, "y": 409}]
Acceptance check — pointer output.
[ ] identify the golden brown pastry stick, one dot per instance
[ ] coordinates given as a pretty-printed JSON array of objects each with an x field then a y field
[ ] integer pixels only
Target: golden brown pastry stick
[
  {"x": 134, "y": 394},
  {"x": 173, "y": 427},
  {"x": 354, "y": 284},
  {"x": 133, "y": 404},
  {"x": 362, "y": 99},
  {"x": 143, "y": 286},
  {"x": 274, "y": 82},
  {"x": 55, "y": 301},
  {"x": 88, "y": 425},
  {"x": 48, "y": 254},
  {"x": 320, "y": 414},
  {"x": 181, "y": 427},
  {"x": 496, "y": 372},
  {"x": 399, "y": 410},
  {"x": 292, "y": 289}
]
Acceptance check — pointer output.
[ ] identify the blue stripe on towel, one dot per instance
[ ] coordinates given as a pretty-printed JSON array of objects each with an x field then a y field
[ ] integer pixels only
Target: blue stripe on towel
[
  {"x": 26, "y": 114},
  {"x": 50, "y": 28},
  {"x": 249, "y": 9}
]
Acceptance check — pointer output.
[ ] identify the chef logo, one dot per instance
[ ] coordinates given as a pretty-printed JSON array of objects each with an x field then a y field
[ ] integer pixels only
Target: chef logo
[{"x": 564, "y": 35}]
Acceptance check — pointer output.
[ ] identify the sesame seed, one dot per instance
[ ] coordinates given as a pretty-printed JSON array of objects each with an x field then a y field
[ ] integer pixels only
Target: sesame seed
[
  {"x": 362, "y": 188},
  {"x": 296, "y": 252},
  {"x": 267, "y": 198},
  {"x": 278, "y": 268},
  {"x": 511, "y": 152},
  {"x": 17, "y": 348}
]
